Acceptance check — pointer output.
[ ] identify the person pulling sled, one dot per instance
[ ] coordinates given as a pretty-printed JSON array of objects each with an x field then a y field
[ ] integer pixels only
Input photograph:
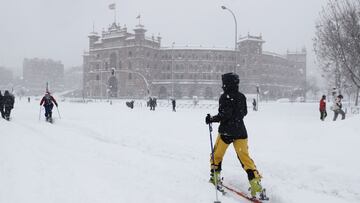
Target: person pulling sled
[
  {"x": 48, "y": 102},
  {"x": 231, "y": 112}
]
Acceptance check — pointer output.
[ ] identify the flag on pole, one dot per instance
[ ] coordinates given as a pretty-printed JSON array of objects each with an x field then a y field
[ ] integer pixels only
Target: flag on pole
[{"x": 112, "y": 6}]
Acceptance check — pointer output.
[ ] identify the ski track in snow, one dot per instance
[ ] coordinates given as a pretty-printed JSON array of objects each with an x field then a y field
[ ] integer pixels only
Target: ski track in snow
[{"x": 109, "y": 153}]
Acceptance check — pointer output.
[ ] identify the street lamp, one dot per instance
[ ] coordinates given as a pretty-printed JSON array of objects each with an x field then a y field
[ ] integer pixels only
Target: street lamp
[
  {"x": 232, "y": 13},
  {"x": 172, "y": 69}
]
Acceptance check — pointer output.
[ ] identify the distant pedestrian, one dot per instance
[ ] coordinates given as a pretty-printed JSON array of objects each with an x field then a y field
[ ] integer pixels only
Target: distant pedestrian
[
  {"x": 254, "y": 105},
  {"x": 322, "y": 108},
  {"x": 152, "y": 103},
  {"x": 28, "y": 99},
  {"x": 8, "y": 102},
  {"x": 173, "y": 102},
  {"x": 155, "y": 103},
  {"x": 337, "y": 108}
]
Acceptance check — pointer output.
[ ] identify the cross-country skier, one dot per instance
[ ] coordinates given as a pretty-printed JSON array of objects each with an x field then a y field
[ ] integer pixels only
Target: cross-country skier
[
  {"x": 8, "y": 102},
  {"x": 232, "y": 109},
  {"x": 48, "y": 101},
  {"x": 322, "y": 108}
]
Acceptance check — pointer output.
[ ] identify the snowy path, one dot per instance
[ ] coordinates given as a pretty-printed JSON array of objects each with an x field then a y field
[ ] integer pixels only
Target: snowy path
[{"x": 100, "y": 153}]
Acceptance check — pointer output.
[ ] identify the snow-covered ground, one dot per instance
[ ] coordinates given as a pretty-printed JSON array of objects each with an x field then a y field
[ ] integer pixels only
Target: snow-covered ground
[{"x": 101, "y": 153}]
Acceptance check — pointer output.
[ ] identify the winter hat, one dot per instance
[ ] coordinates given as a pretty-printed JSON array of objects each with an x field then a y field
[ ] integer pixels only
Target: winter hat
[
  {"x": 230, "y": 82},
  {"x": 324, "y": 96},
  {"x": 340, "y": 96},
  {"x": 230, "y": 79}
]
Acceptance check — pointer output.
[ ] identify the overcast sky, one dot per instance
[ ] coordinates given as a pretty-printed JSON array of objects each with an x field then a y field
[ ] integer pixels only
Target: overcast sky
[{"x": 58, "y": 29}]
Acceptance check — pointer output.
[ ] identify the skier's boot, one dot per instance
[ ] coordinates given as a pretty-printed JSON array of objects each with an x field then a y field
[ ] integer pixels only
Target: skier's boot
[
  {"x": 255, "y": 187},
  {"x": 215, "y": 177}
]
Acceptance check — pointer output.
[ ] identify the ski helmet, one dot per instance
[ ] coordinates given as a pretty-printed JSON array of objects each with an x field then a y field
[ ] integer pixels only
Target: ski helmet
[{"x": 230, "y": 79}]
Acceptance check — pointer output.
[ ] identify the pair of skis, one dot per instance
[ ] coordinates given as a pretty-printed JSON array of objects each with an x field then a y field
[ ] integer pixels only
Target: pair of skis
[{"x": 223, "y": 188}]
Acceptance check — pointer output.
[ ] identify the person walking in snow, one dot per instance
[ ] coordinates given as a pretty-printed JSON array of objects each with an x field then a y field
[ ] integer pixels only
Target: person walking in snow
[
  {"x": 322, "y": 108},
  {"x": 152, "y": 103},
  {"x": 231, "y": 112},
  {"x": 48, "y": 102},
  {"x": 254, "y": 105},
  {"x": 8, "y": 102},
  {"x": 337, "y": 108},
  {"x": 173, "y": 103}
]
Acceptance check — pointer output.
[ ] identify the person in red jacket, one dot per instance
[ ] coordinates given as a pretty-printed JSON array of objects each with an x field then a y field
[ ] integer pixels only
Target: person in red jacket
[
  {"x": 48, "y": 101},
  {"x": 322, "y": 109}
]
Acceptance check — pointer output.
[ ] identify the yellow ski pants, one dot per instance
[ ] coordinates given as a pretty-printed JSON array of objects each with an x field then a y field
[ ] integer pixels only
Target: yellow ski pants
[{"x": 241, "y": 148}]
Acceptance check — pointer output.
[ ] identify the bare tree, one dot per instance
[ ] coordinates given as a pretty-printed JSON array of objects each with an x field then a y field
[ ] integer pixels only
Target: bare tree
[{"x": 337, "y": 42}]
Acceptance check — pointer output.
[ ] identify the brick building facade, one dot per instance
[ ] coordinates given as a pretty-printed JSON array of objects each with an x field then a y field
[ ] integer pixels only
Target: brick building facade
[{"x": 142, "y": 67}]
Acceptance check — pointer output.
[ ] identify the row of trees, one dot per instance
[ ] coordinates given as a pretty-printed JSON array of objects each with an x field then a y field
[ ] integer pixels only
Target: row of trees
[{"x": 337, "y": 44}]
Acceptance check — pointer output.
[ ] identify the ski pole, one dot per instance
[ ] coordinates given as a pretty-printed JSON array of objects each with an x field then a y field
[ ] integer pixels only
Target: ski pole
[
  {"x": 213, "y": 168},
  {"x": 58, "y": 112},
  {"x": 40, "y": 114}
]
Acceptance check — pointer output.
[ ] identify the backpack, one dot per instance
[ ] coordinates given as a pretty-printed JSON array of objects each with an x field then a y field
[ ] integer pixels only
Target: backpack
[{"x": 47, "y": 100}]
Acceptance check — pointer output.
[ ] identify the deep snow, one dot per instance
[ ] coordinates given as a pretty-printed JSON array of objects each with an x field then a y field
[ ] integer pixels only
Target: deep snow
[{"x": 101, "y": 153}]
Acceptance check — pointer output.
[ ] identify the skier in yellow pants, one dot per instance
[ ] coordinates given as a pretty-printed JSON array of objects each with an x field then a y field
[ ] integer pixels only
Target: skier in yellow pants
[{"x": 232, "y": 109}]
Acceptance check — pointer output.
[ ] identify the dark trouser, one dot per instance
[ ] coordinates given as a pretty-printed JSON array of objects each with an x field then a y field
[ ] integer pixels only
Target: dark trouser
[
  {"x": 337, "y": 112},
  {"x": 2, "y": 112},
  {"x": 323, "y": 115},
  {"x": 174, "y": 108},
  {"x": 48, "y": 111},
  {"x": 7, "y": 113}
]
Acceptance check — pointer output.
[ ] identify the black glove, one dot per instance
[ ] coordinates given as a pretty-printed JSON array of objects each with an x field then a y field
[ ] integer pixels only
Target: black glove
[{"x": 208, "y": 119}]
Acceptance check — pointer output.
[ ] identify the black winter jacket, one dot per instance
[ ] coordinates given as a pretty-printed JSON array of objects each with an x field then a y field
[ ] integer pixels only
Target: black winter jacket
[
  {"x": 232, "y": 109},
  {"x": 8, "y": 101}
]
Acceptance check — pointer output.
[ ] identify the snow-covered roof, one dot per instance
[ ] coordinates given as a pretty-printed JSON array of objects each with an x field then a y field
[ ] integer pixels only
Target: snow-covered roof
[
  {"x": 273, "y": 54},
  {"x": 198, "y": 47},
  {"x": 130, "y": 38},
  {"x": 251, "y": 38}
]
